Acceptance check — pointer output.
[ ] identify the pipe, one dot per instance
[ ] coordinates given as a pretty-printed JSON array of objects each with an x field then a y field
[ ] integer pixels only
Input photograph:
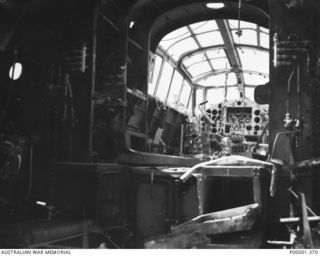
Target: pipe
[
  {"x": 289, "y": 91},
  {"x": 297, "y": 197},
  {"x": 275, "y": 50},
  {"x": 189, "y": 172},
  {"x": 204, "y": 113},
  {"x": 299, "y": 92},
  {"x": 291, "y": 242},
  {"x": 181, "y": 140},
  {"x": 296, "y": 219}
]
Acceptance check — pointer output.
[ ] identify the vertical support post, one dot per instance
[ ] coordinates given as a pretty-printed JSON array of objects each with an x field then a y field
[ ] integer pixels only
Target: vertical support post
[
  {"x": 256, "y": 189},
  {"x": 181, "y": 139},
  {"x": 194, "y": 99},
  {"x": 305, "y": 231},
  {"x": 123, "y": 64},
  {"x": 93, "y": 75},
  {"x": 201, "y": 179}
]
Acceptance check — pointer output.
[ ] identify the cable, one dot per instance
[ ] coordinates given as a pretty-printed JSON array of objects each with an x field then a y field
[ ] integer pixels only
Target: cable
[
  {"x": 239, "y": 32},
  {"x": 298, "y": 92},
  {"x": 289, "y": 90}
]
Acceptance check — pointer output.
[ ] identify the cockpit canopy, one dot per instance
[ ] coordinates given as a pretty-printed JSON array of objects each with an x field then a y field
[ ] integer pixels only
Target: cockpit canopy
[{"x": 212, "y": 59}]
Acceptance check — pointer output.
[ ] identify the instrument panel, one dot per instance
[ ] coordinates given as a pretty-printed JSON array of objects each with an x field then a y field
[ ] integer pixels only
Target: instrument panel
[{"x": 243, "y": 117}]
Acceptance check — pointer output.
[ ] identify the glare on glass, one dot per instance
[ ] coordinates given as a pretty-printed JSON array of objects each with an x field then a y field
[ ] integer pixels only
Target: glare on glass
[{"x": 15, "y": 71}]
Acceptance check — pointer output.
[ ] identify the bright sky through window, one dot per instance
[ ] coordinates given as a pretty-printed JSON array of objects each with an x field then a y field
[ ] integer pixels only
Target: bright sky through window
[{"x": 202, "y": 58}]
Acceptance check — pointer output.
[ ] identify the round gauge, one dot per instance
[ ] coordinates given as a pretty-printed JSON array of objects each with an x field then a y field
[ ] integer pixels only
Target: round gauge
[
  {"x": 257, "y": 112},
  {"x": 257, "y": 119},
  {"x": 249, "y": 127},
  {"x": 256, "y": 127},
  {"x": 214, "y": 112}
]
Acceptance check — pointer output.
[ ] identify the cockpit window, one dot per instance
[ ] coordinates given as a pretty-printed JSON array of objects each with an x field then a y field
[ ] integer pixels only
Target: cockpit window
[
  {"x": 174, "y": 37},
  {"x": 204, "y": 26},
  {"x": 185, "y": 94},
  {"x": 177, "y": 49},
  {"x": 219, "y": 53},
  {"x": 154, "y": 74},
  {"x": 175, "y": 89},
  {"x": 219, "y": 80},
  {"x": 215, "y": 59},
  {"x": 199, "y": 68},
  {"x": 254, "y": 60},
  {"x": 214, "y": 96},
  {"x": 164, "y": 81}
]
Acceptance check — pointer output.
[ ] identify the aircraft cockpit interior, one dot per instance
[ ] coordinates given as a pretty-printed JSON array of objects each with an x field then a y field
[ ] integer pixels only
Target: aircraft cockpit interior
[
  {"x": 159, "y": 124},
  {"x": 208, "y": 71}
]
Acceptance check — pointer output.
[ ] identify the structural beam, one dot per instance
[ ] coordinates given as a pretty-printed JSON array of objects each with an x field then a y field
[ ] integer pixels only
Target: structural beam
[
  {"x": 222, "y": 71},
  {"x": 199, "y": 45},
  {"x": 218, "y": 46},
  {"x": 231, "y": 52}
]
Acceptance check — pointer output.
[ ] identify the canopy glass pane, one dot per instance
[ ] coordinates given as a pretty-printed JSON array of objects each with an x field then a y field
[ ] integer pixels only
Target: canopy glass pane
[
  {"x": 164, "y": 81},
  {"x": 182, "y": 47},
  {"x": 174, "y": 37},
  {"x": 198, "y": 51},
  {"x": 214, "y": 96},
  {"x": 248, "y": 37},
  {"x": 264, "y": 40},
  {"x": 199, "y": 57},
  {"x": 211, "y": 38},
  {"x": 175, "y": 88},
  {"x": 199, "y": 68},
  {"x": 216, "y": 53},
  {"x": 154, "y": 75},
  {"x": 221, "y": 63},
  {"x": 254, "y": 59},
  {"x": 204, "y": 26},
  {"x": 255, "y": 79},
  {"x": 249, "y": 91},
  {"x": 185, "y": 93},
  {"x": 219, "y": 80}
]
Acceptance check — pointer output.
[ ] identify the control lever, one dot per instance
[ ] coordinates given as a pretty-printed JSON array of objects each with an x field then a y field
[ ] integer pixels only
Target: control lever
[
  {"x": 274, "y": 172},
  {"x": 204, "y": 112},
  {"x": 202, "y": 103}
]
